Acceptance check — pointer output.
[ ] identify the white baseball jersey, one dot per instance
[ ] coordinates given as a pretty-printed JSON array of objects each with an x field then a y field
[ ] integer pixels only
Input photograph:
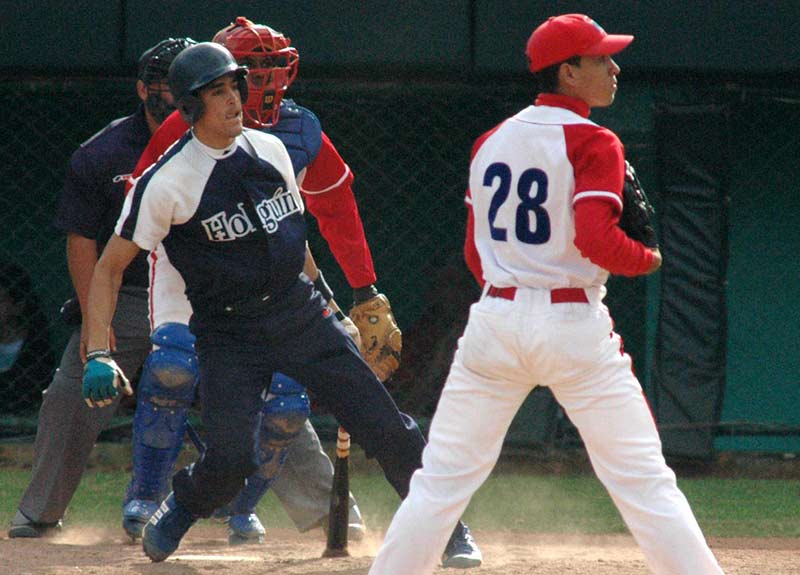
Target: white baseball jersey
[
  {"x": 522, "y": 189},
  {"x": 195, "y": 204},
  {"x": 525, "y": 177}
]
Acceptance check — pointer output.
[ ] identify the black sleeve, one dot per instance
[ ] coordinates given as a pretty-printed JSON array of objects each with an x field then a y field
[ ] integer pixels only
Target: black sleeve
[{"x": 82, "y": 204}]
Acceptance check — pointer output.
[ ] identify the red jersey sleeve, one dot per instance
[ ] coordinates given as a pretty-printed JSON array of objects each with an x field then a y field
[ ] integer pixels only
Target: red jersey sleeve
[
  {"x": 598, "y": 158},
  {"x": 328, "y": 193},
  {"x": 599, "y": 238},
  {"x": 471, "y": 255},
  {"x": 167, "y": 133}
]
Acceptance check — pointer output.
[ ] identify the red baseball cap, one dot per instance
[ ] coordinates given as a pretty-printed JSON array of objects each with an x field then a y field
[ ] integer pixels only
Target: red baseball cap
[{"x": 568, "y": 35}]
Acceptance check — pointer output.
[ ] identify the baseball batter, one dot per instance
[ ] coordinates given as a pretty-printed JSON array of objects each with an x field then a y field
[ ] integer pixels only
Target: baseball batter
[
  {"x": 543, "y": 203},
  {"x": 304, "y": 483},
  {"x": 325, "y": 181},
  {"x": 225, "y": 204}
]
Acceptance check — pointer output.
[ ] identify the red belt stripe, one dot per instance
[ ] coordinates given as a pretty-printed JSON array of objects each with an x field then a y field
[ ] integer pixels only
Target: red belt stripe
[{"x": 559, "y": 295}]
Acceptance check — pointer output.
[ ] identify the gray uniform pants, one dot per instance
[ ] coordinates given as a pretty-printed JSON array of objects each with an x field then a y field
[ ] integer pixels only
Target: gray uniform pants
[
  {"x": 304, "y": 484},
  {"x": 68, "y": 429}
]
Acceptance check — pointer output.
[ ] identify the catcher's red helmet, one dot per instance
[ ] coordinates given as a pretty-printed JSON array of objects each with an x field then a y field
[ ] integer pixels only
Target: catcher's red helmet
[{"x": 271, "y": 62}]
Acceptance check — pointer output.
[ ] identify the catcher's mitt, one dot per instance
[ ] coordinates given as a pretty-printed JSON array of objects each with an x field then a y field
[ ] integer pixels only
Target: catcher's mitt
[
  {"x": 637, "y": 212},
  {"x": 381, "y": 339}
]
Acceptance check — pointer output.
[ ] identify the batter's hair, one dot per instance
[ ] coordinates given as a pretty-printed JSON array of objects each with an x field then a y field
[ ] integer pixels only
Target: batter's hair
[{"x": 547, "y": 78}]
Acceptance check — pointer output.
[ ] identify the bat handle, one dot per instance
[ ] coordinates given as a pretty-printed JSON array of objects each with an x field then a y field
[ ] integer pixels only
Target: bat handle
[
  {"x": 338, "y": 517},
  {"x": 342, "y": 443}
]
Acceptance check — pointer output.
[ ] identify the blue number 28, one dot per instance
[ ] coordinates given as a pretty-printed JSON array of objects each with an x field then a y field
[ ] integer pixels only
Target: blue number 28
[{"x": 528, "y": 204}]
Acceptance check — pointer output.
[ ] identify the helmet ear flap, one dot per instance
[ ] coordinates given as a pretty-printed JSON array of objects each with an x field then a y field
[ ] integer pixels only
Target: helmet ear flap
[
  {"x": 241, "y": 84},
  {"x": 191, "y": 108}
]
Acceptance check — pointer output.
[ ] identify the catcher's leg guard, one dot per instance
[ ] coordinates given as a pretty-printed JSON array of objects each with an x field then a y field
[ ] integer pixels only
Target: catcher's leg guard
[
  {"x": 166, "y": 391},
  {"x": 283, "y": 415}
]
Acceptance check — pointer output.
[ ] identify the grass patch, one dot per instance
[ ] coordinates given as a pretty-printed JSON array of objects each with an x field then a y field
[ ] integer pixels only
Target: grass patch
[{"x": 508, "y": 501}]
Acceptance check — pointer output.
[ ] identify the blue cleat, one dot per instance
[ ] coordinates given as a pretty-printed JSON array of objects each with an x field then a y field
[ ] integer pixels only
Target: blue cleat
[
  {"x": 244, "y": 529},
  {"x": 461, "y": 551},
  {"x": 135, "y": 515},
  {"x": 166, "y": 528}
]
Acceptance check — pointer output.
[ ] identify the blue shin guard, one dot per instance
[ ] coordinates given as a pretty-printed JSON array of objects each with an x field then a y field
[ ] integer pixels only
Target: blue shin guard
[
  {"x": 283, "y": 415},
  {"x": 166, "y": 391}
]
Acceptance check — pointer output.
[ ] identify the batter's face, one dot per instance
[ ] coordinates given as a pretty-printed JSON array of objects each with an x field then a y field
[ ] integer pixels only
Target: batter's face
[
  {"x": 221, "y": 121},
  {"x": 594, "y": 80}
]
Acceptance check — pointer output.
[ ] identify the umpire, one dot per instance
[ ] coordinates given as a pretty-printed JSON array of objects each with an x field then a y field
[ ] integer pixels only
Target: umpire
[
  {"x": 90, "y": 203},
  {"x": 225, "y": 204}
]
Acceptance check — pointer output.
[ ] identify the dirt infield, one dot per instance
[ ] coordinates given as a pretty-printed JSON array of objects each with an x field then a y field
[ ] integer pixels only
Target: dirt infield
[{"x": 205, "y": 552}]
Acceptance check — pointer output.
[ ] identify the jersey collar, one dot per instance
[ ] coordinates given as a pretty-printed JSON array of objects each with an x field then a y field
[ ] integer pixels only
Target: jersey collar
[
  {"x": 561, "y": 101},
  {"x": 216, "y": 153}
]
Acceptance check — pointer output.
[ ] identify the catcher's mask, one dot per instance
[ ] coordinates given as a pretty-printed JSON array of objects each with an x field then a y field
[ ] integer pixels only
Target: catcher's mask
[
  {"x": 196, "y": 67},
  {"x": 153, "y": 69},
  {"x": 272, "y": 67}
]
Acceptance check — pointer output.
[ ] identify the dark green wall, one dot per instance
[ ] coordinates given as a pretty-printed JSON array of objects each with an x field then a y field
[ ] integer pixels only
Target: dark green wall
[
  {"x": 763, "y": 372},
  {"x": 455, "y": 35}
]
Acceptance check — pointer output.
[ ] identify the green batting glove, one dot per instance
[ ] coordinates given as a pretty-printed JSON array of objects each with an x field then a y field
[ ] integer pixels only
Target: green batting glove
[{"x": 102, "y": 377}]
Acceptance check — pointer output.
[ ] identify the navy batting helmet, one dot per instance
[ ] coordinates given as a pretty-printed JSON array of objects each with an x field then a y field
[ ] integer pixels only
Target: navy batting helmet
[
  {"x": 196, "y": 67},
  {"x": 153, "y": 69}
]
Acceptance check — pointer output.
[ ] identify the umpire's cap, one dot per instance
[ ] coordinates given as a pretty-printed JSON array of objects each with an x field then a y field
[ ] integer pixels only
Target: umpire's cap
[
  {"x": 562, "y": 37},
  {"x": 197, "y": 66}
]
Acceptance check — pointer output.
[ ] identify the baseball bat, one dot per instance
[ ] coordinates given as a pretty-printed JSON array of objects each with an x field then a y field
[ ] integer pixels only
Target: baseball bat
[{"x": 339, "y": 514}]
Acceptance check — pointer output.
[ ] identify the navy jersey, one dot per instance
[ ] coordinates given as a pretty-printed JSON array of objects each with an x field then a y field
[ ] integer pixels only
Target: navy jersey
[
  {"x": 231, "y": 221},
  {"x": 94, "y": 190}
]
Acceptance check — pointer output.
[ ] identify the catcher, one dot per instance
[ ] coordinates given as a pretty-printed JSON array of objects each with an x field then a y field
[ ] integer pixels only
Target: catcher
[{"x": 325, "y": 181}]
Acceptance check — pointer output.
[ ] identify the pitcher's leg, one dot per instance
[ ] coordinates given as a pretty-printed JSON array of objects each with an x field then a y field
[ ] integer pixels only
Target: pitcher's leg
[
  {"x": 623, "y": 444},
  {"x": 464, "y": 442}
]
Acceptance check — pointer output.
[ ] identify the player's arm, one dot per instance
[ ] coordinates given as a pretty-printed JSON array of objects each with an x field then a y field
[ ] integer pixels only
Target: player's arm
[
  {"x": 328, "y": 194},
  {"x": 599, "y": 238},
  {"x": 599, "y": 161},
  {"x": 471, "y": 255},
  {"x": 104, "y": 290},
  {"x": 81, "y": 260},
  {"x": 311, "y": 270},
  {"x": 102, "y": 377},
  {"x": 329, "y": 197}
]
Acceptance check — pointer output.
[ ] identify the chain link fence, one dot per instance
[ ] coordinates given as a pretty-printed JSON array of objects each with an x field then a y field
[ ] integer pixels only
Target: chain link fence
[{"x": 408, "y": 143}]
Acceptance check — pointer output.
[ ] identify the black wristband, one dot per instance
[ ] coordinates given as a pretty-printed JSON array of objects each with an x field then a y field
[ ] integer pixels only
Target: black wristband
[
  {"x": 340, "y": 315},
  {"x": 322, "y": 286},
  {"x": 97, "y": 354},
  {"x": 362, "y": 294}
]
